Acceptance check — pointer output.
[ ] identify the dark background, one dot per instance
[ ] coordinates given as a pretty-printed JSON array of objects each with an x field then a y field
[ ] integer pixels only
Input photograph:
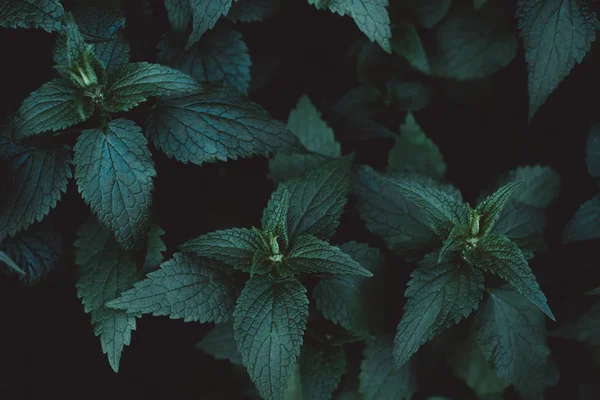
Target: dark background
[{"x": 47, "y": 343}]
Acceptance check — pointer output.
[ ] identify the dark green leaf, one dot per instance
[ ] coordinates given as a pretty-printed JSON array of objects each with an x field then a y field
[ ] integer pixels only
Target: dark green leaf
[
  {"x": 429, "y": 12},
  {"x": 585, "y": 329},
  {"x": 132, "y": 83},
  {"x": 352, "y": 301},
  {"x": 253, "y": 10},
  {"x": 407, "y": 43},
  {"x": 439, "y": 296},
  {"x": 556, "y": 35},
  {"x": 37, "y": 178},
  {"x": 592, "y": 155},
  {"x": 524, "y": 225},
  {"x": 277, "y": 225},
  {"x": 4, "y": 258},
  {"x": 510, "y": 331},
  {"x": 501, "y": 256},
  {"x": 184, "y": 287},
  {"x": 540, "y": 186},
  {"x": 155, "y": 247},
  {"x": 477, "y": 4},
  {"x": 408, "y": 95},
  {"x": 54, "y": 106},
  {"x": 221, "y": 55},
  {"x": 593, "y": 291},
  {"x": 585, "y": 224},
  {"x": 114, "y": 171},
  {"x": 220, "y": 343},
  {"x": 489, "y": 209},
  {"x": 179, "y": 13},
  {"x": 105, "y": 270},
  {"x": 205, "y": 14},
  {"x": 379, "y": 379},
  {"x": 219, "y": 124},
  {"x": 269, "y": 322},
  {"x": 36, "y": 14},
  {"x": 310, "y": 255},
  {"x": 321, "y": 370},
  {"x": 455, "y": 241}
]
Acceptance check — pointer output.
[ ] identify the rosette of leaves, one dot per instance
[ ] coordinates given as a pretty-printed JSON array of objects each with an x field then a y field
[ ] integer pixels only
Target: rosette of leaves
[
  {"x": 192, "y": 122},
  {"x": 270, "y": 314}
]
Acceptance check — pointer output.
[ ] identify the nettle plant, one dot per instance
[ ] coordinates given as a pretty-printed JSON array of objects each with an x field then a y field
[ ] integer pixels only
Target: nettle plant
[{"x": 298, "y": 304}]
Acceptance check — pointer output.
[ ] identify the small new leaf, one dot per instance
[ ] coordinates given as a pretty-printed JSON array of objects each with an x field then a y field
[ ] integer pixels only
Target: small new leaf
[
  {"x": 277, "y": 226},
  {"x": 220, "y": 343},
  {"x": 310, "y": 255},
  {"x": 499, "y": 255},
  {"x": 489, "y": 209},
  {"x": 114, "y": 171},
  {"x": 269, "y": 322},
  {"x": 184, "y": 287},
  {"x": 321, "y": 370},
  {"x": 439, "y": 296},
  {"x": 33, "y": 14}
]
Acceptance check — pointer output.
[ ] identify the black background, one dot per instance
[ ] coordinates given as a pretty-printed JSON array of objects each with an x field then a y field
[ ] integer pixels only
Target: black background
[{"x": 47, "y": 343}]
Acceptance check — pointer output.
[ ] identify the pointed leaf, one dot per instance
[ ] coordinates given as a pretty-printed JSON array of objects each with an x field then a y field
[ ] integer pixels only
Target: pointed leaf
[
  {"x": 524, "y": 225},
  {"x": 455, "y": 242},
  {"x": 556, "y": 35},
  {"x": 310, "y": 255},
  {"x": 205, "y": 14},
  {"x": 184, "y": 287},
  {"x": 253, "y": 10},
  {"x": 407, "y": 43},
  {"x": 585, "y": 329},
  {"x": 489, "y": 209},
  {"x": 35, "y": 14},
  {"x": 277, "y": 223},
  {"x": 179, "y": 13},
  {"x": 4, "y": 258},
  {"x": 114, "y": 171},
  {"x": 501, "y": 256},
  {"x": 429, "y": 12},
  {"x": 321, "y": 370},
  {"x": 219, "y": 124},
  {"x": 132, "y": 84},
  {"x": 439, "y": 296},
  {"x": 540, "y": 187},
  {"x": 585, "y": 224},
  {"x": 269, "y": 322},
  {"x": 220, "y": 343},
  {"x": 155, "y": 247}
]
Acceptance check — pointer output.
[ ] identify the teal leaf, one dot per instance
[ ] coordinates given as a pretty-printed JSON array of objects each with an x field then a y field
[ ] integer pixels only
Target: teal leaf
[
  {"x": 205, "y": 14},
  {"x": 379, "y": 379},
  {"x": 131, "y": 84},
  {"x": 221, "y": 55},
  {"x": 408, "y": 96},
  {"x": 439, "y": 296},
  {"x": 585, "y": 224},
  {"x": 585, "y": 329},
  {"x": 36, "y": 252},
  {"x": 37, "y": 178},
  {"x": 349, "y": 300},
  {"x": 220, "y": 343},
  {"x": 185, "y": 287},
  {"x": 490, "y": 208},
  {"x": 556, "y": 35},
  {"x": 234, "y": 247},
  {"x": 105, "y": 271},
  {"x": 32, "y": 14},
  {"x": 455, "y": 241},
  {"x": 269, "y": 322},
  {"x": 474, "y": 45},
  {"x": 179, "y": 13},
  {"x": 371, "y": 17},
  {"x": 154, "y": 248},
  {"x": 276, "y": 225},
  {"x": 524, "y": 225},
  {"x": 310, "y": 255},
  {"x": 317, "y": 200},
  {"x": 314, "y": 134},
  {"x": 429, "y": 12},
  {"x": 114, "y": 171},
  {"x": 321, "y": 369},
  {"x": 219, "y": 124},
  {"x": 511, "y": 333},
  {"x": 499, "y": 255},
  {"x": 477, "y": 4},
  {"x": 4, "y": 258},
  {"x": 413, "y": 151},
  {"x": 407, "y": 43},
  {"x": 540, "y": 188},
  {"x": 253, "y": 10},
  {"x": 54, "y": 106}
]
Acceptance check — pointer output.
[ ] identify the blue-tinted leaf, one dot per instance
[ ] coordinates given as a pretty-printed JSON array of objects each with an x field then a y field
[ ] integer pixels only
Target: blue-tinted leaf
[
  {"x": 205, "y": 14},
  {"x": 253, "y": 10},
  {"x": 38, "y": 14},
  {"x": 179, "y": 13},
  {"x": 585, "y": 224}
]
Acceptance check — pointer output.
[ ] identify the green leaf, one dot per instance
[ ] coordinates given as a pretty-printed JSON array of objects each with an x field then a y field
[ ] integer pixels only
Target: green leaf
[
  {"x": 179, "y": 13},
  {"x": 154, "y": 248},
  {"x": 477, "y": 4},
  {"x": 541, "y": 185},
  {"x": 235, "y": 247},
  {"x": 585, "y": 329},
  {"x": 33, "y": 14},
  {"x": 54, "y": 106},
  {"x": 36, "y": 179},
  {"x": 10, "y": 263},
  {"x": 556, "y": 35},
  {"x": 429, "y": 12},
  {"x": 114, "y": 171},
  {"x": 413, "y": 151},
  {"x": 269, "y": 322},
  {"x": 511, "y": 332},
  {"x": 218, "y": 124},
  {"x": 379, "y": 379},
  {"x": 220, "y": 343},
  {"x": 310, "y": 255},
  {"x": 221, "y": 55},
  {"x": 36, "y": 252},
  {"x": 105, "y": 270},
  {"x": 455, "y": 241},
  {"x": 317, "y": 200},
  {"x": 489, "y": 209},
  {"x": 253, "y": 10},
  {"x": 131, "y": 84},
  {"x": 321, "y": 370},
  {"x": 277, "y": 223},
  {"x": 499, "y": 255},
  {"x": 205, "y": 14},
  {"x": 184, "y": 287},
  {"x": 353, "y": 301},
  {"x": 408, "y": 96},
  {"x": 407, "y": 43},
  {"x": 371, "y": 17},
  {"x": 439, "y": 296},
  {"x": 474, "y": 45},
  {"x": 585, "y": 224},
  {"x": 592, "y": 154},
  {"x": 524, "y": 225}
]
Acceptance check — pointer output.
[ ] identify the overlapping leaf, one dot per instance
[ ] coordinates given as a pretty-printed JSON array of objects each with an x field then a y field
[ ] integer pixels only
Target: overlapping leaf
[{"x": 38, "y": 14}]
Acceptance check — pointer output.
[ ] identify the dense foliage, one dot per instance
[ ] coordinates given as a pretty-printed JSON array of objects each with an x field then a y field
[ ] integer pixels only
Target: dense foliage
[{"x": 422, "y": 226}]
